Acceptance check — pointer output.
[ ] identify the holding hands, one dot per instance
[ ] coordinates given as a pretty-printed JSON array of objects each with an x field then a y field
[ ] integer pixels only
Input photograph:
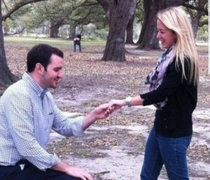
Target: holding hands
[
  {"x": 104, "y": 110},
  {"x": 115, "y": 104}
]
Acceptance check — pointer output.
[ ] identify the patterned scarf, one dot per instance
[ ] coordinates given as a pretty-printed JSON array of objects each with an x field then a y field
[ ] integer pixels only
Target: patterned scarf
[{"x": 155, "y": 78}]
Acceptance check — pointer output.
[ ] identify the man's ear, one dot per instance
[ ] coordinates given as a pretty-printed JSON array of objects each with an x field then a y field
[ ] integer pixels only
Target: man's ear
[{"x": 39, "y": 68}]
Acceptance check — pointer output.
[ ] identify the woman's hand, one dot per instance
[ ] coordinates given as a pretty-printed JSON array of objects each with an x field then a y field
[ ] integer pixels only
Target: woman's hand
[{"x": 116, "y": 104}]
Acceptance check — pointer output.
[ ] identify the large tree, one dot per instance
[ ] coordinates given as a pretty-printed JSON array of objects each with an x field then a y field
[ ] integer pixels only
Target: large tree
[
  {"x": 51, "y": 14},
  {"x": 6, "y": 77},
  {"x": 147, "y": 39},
  {"x": 85, "y": 13},
  {"x": 198, "y": 10},
  {"x": 129, "y": 28},
  {"x": 118, "y": 14}
]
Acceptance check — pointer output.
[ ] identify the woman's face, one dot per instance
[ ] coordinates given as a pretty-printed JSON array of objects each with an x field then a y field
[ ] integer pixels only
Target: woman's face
[{"x": 165, "y": 36}]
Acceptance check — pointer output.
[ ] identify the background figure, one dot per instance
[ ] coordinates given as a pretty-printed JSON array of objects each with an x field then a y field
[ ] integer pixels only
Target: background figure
[
  {"x": 77, "y": 42},
  {"x": 173, "y": 91}
]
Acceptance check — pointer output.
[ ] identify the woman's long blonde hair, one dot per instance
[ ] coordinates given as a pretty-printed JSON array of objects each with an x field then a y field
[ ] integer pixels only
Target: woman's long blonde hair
[{"x": 176, "y": 19}]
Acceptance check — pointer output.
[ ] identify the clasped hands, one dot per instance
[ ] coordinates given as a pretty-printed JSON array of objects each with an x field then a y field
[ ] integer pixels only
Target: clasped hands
[{"x": 104, "y": 110}]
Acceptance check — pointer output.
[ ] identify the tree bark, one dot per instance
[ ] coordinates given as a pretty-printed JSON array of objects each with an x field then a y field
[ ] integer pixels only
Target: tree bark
[
  {"x": 72, "y": 32},
  {"x": 54, "y": 30},
  {"x": 129, "y": 31},
  {"x": 119, "y": 13},
  {"x": 6, "y": 77},
  {"x": 147, "y": 39},
  {"x": 201, "y": 8},
  {"x": 195, "y": 22},
  {"x": 104, "y": 4}
]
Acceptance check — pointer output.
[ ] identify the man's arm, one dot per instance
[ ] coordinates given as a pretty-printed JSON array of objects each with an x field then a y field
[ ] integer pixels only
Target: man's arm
[
  {"x": 100, "y": 112},
  {"x": 76, "y": 126}
]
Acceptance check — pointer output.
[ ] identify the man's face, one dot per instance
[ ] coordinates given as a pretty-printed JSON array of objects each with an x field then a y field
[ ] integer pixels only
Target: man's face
[{"x": 54, "y": 72}]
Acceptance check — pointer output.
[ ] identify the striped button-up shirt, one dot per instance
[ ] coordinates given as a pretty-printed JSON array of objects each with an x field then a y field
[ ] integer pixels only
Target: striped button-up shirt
[{"x": 27, "y": 115}]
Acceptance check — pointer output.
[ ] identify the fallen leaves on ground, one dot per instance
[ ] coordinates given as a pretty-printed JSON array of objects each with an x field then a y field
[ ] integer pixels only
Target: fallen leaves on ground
[{"x": 89, "y": 82}]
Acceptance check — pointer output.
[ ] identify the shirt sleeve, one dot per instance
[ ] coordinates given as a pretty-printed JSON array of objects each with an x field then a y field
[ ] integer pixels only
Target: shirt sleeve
[
  {"x": 18, "y": 111},
  {"x": 170, "y": 83},
  {"x": 66, "y": 125}
]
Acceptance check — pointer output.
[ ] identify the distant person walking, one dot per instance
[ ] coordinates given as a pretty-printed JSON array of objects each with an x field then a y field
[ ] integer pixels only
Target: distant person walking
[{"x": 77, "y": 42}]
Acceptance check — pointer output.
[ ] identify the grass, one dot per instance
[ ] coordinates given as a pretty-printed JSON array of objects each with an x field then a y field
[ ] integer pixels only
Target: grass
[
  {"x": 29, "y": 41},
  {"x": 59, "y": 42}
]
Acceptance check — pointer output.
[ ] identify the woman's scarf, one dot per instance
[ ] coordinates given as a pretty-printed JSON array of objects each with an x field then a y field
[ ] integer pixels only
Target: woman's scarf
[{"x": 155, "y": 78}]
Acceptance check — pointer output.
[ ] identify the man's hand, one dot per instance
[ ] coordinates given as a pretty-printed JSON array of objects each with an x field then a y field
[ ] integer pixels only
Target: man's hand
[
  {"x": 72, "y": 171},
  {"x": 80, "y": 173},
  {"x": 100, "y": 112}
]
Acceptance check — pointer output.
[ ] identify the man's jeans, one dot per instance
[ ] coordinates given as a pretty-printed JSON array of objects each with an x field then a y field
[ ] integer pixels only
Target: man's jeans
[
  {"x": 75, "y": 46},
  {"x": 30, "y": 172},
  {"x": 171, "y": 152}
]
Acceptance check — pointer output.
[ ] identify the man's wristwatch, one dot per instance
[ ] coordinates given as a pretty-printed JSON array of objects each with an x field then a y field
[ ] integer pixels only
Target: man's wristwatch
[{"x": 128, "y": 101}]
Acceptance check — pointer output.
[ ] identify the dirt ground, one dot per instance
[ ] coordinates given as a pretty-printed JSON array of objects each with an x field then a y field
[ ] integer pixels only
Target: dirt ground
[{"x": 113, "y": 149}]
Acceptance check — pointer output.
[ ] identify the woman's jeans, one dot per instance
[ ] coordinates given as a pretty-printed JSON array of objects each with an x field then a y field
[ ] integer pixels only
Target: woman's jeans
[{"x": 172, "y": 152}]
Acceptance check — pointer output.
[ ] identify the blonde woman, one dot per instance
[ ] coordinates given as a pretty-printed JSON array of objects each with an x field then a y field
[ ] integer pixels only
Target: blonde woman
[{"x": 173, "y": 90}]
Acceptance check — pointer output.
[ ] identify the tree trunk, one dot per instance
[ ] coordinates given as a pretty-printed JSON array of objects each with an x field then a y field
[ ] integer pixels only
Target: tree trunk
[
  {"x": 129, "y": 31},
  {"x": 129, "y": 28},
  {"x": 72, "y": 32},
  {"x": 147, "y": 39},
  {"x": 195, "y": 22},
  {"x": 119, "y": 13},
  {"x": 6, "y": 77},
  {"x": 196, "y": 17},
  {"x": 54, "y": 30}
]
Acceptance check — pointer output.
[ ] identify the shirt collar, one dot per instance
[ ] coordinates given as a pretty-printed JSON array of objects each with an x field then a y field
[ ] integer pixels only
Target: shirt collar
[{"x": 38, "y": 90}]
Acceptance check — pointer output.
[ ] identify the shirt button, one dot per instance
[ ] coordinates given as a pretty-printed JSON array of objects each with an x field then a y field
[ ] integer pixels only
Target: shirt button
[{"x": 166, "y": 127}]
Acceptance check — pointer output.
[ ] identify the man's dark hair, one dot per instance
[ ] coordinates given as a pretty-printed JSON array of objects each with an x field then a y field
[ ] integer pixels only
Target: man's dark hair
[{"x": 41, "y": 53}]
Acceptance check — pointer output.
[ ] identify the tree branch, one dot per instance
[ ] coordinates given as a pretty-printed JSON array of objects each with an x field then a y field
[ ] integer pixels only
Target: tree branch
[
  {"x": 204, "y": 22},
  {"x": 104, "y": 4},
  {"x": 18, "y": 6},
  {"x": 196, "y": 8},
  {"x": 5, "y": 5}
]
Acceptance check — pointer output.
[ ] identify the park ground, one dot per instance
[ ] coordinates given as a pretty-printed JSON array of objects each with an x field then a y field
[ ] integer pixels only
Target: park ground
[{"x": 113, "y": 149}]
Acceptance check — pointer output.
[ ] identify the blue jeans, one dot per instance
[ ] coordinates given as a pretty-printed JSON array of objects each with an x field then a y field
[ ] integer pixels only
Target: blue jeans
[{"x": 171, "y": 152}]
